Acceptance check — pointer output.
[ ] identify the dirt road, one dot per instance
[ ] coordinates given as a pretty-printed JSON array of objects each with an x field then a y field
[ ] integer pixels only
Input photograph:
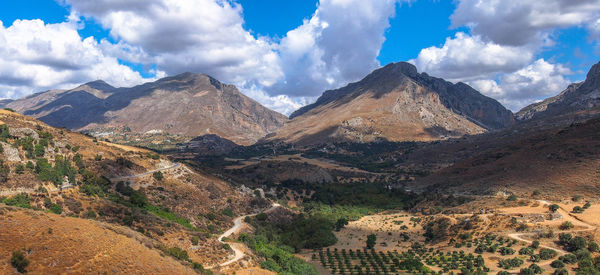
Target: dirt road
[{"x": 238, "y": 222}]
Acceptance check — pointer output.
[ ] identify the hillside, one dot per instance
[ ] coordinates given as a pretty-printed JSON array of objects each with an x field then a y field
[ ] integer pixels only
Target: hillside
[
  {"x": 558, "y": 162},
  {"x": 187, "y": 105},
  {"x": 54, "y": 245},
  {"x": 55, "y": 170},
  {"x": 395, "y": 103},
  {"x": 578, "y": 97}
]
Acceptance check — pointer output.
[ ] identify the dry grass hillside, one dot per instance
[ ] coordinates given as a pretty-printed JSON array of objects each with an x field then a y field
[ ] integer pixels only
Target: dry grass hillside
[
  {"x": 54, "y": 245},
  {"x": 55, "y": 170}
]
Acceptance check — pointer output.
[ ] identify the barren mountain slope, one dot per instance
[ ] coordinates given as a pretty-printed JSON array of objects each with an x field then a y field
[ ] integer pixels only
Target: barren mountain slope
[
  {"x": 398, "y": 104},
  {"x": 187, "y": 104}
]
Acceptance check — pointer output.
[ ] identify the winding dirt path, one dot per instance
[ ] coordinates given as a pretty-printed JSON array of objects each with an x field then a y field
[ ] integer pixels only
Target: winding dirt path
[
  {"x": 237, "y": 248},
  {"x": 565, "y": 213}
]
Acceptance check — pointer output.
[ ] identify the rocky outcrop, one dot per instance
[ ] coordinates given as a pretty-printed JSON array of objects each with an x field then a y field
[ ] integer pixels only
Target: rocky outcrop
[
  {"x": 10, "y": 153},
  {"x": 23, "y": 132},
  {"x": 395, "y": 103},
  {"x": 187, "y": 104},
  {"x": 583, "y": 96}
]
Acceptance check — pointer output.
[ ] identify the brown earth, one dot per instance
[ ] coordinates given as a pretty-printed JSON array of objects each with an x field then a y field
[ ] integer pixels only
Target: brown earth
[{"x": 55, "y": 244}]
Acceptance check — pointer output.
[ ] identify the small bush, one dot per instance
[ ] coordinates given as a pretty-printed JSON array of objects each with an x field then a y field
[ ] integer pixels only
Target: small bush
[
  {"x": 19, "y": 261},
  {"x": 91, "y": 214},
  {"x": 557, "y": 264},
  {"x": 20, "y": 169},
  {"x": 195, "y": 240},
  {"x": 55, "y": 208},
  {"x": 158, "y": 175},
  {"x": 512, "y": 197},
  {"x": 577, "y": 209},
  {"x": 566, "y": 225}
]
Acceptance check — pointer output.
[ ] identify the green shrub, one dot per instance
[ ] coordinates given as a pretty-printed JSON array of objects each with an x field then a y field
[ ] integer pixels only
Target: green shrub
[
  {"x": 566, "y": 225},
  {"x": 91, "y": 214},
  {"x": 510, "y": 263},
  {"x": 553, "y": 207},
  {"x": 371, "y": 241},
  {"x": 228, "y": 212},
  {"x": 20, "y": 169},
  {"x": 178, "y": 253},
  {"x": 19, "y": 261},
  {"x": 55, "y": 208},
  {"x": 195, "y": 240},
  {"x": 512, "y": 197},
  {"x": 158, "y": 175},
  {"x": 557, "y": 264},
  {"x": 547, "y": 254},
  {"x": 20, "y": 200}
]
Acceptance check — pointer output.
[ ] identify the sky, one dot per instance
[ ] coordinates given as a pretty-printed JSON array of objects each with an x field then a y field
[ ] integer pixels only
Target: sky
[{"x": 284, "y": 54}]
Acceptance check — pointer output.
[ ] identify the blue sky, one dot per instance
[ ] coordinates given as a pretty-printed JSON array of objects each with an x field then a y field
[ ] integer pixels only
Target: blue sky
[{"x": 285, "y": 53}]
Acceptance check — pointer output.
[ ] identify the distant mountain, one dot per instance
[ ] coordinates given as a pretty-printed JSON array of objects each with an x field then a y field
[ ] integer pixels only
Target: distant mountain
[
  {"x": 187, "y": 104},
  {"x": 583, "y": 96},
  {"x": 395, "y": 103}
]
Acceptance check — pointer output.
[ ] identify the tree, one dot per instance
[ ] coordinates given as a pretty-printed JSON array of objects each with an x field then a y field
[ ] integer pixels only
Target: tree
[
  {"x": 341, "y": 223},
  {"x": 593, "y": 246},
  {"x": 554, "y": 207},
  {"x": 371, "y": 241},
  {"x": 577, "y": 243},
  {"x": 512, "y": 197},
  {"x": 557, "y": 264},
  {"x": 19, "y": 169},
  {"x": 587, "y": 205},
  {"x": 547, "y": 254},
  {"x": 566, "y": 225},
  {"x": 535, "y": 244},
  {"x": 158, "y": 175},
  {"x": 19, "y": 261},
  {"x": 577, "y": 209}
]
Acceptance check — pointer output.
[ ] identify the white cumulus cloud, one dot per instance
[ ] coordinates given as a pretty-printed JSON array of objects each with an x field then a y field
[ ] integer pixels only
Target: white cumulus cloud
[
  {"x": 522, "y": 22},
  {"x": 35, "y": 56},
  {"x": 466, "y": 57},
  {"x": 535, "y": 81}
]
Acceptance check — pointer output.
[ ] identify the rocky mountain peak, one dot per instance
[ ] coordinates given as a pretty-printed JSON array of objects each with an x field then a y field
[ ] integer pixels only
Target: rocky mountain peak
[
  {"x": 100, "y": 85},
  {"x": 593, "y": 76}
]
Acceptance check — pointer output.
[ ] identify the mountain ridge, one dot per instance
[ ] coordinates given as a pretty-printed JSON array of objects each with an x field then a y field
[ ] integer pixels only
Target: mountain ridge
[
  {"x": 185, "y": 104},
  {"x": 396, "y": 103}
]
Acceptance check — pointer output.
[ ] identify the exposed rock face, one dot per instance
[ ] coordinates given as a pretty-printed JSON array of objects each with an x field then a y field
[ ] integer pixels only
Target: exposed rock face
[
  {"x": 577, "y": 97},
  {"x": 186, "y": 104},
  {"x": 10, "y": 153},
  {"x": 23, "y": 132},
  {"x": 398, "y": 104}
]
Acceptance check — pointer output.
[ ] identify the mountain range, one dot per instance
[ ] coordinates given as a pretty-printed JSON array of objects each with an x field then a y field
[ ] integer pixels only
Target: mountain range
[
  {"x": 393, "y": 103},
  {"x": 186, "y": 104}
]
